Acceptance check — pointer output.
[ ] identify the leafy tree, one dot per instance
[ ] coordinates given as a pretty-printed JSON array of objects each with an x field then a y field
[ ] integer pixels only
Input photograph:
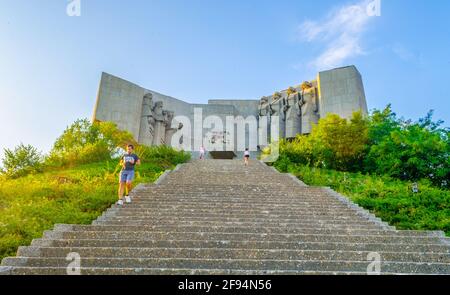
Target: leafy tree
[
  {"x": 24, "y": 159},
  {"x": 381, "y": 144},
  {"x": 382, "y": 123},
  {"x": 334, "y": 143},
  {"x": 344, "y": 141},
  {"x": 86, "y": 142},
  {"x": 408, "y": 150}
]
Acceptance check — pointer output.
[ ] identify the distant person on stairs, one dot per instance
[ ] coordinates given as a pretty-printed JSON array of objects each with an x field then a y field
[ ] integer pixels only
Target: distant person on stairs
[
  {"x": 246, "y": 157},
  {"x": 128, "y": 162},
  {"x": 202, "y": 152}
]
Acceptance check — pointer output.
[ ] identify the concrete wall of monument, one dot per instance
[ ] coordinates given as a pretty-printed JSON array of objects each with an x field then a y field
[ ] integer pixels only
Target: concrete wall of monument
[{"x": 152, "y": 117}]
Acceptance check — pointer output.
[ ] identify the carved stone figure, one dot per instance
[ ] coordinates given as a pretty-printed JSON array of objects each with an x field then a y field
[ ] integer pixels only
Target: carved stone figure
[
  {"x": 169, "y": 131},
  {"x": 264, "y": 106},
  {"x": 308, "y": 104},
  {"x": 292, "y": 115},
  {"x": 156, "y": 123},
  {"x": 277, "y": 109},
  {"x": 160, "y": 126},
  {"x": 146, "y": 129},
  {"x": 264, "y": 121}
]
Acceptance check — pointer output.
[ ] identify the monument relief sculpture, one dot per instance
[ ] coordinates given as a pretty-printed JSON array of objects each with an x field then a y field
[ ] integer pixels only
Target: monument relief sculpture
[
  {"x": 277, "y": 109},
  {"x": 292, "y": 114},
  {"x": 284, "y": 107},
  {"x": 308, "y": 104},
  {"x": 264, "y": 121},
  {"x": 169, "y": 131},
  {"x": 264, "y": 106},
  {"x": 156, "y": 123},
  {"x": 146, "y": 129},
  {"x": 159, "y": 122},
  {"x": 153, "y": 118}
]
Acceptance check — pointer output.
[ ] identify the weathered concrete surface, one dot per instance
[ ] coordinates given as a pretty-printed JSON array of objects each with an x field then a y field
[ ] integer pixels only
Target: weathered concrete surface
[{"x": 341, "y": 92}]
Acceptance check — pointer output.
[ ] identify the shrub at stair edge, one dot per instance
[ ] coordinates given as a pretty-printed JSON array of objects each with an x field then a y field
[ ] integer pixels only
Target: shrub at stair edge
[{"x": 379, "y": 144}]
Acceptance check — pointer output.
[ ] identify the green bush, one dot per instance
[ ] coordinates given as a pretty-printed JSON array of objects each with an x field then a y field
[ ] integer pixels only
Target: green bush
[
  {"x": 390, "y": 199},
  {"x": 23, "y": 160},
  {"x": 380, "y": 144},
  {"x": 162, "y": 154},
  {"x": 334, "y": 143},
  {"x": 85, "y": 142},
  {"x": 409, "y": 151}
]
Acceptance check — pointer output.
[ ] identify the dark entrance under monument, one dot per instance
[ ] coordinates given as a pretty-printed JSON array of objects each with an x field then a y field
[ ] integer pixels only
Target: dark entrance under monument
[{"x": 223, "y": 155}]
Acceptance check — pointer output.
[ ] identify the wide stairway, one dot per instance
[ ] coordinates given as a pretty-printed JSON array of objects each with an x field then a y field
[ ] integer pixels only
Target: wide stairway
[{"x": 220, "y": 217}]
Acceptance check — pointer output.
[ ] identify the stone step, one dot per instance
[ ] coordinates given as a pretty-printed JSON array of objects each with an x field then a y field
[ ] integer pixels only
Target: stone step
[
  {"x": 257, "y": 187},
  {"x": 240, "y": 236},
  {"x": 127, "y": 210},
  {"x": 233, "y": 181},
  {"x": 244, "y": 229},
  {"x": 240, "y": 216},
  {"x": 231, "y": 205},
  {"x": 243, "y": 196},
  {"x": 349, "y": 220},
  {"x": 262, "y": 190},
  {"x": 211, "y": 208},
  {"x": 234, "y": 170},
  {"x": 247, "y": 202},
  {"x": 261, "y": 221},
  {"x": 242, "y": 264},
  {"x": 359, "y": 225},
  {"x": 239, "y": 191},
  {"x": 236, "y": 178},
  {"x": 211, "y": 188},
  {"x": 242, "y": 244},
  {"x": 169, "y": 271},
  {"x": 134, "y": 207},
  {"x": 213, "y": 201},
  {"x": 217, "y": 207},
  {"x": 186, "y": 253},
  {"x": 349, "y": 224}
]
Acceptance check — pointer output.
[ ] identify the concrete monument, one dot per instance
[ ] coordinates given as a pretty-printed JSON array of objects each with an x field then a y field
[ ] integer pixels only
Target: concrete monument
[{"x": 157, "y": 119}]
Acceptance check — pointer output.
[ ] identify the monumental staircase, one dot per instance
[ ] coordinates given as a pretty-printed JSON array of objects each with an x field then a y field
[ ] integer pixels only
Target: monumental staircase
[{"x": 220, "y": 217}]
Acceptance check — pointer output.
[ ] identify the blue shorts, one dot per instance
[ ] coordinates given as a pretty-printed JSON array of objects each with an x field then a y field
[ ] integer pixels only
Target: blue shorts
[{"x": 126, "y": 175}]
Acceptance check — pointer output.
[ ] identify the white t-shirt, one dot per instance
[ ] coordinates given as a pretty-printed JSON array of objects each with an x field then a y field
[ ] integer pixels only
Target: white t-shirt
[{"x": 246, "y": 153}]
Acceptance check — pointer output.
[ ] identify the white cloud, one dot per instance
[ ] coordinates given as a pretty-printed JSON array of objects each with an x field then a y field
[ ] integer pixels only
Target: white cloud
[
  {"x": 403, "y": 53},
  {"x": 340, "y": 32}
]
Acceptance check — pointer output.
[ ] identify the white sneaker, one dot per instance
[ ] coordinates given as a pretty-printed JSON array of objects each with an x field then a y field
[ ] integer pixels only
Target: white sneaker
[
  {"x": 120, "y": 202},
  {"x": 127, "y": 199}
]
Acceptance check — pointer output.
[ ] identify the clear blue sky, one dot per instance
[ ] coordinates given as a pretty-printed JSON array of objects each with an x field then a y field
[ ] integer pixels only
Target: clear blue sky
[{"x": 50, "y": 63}]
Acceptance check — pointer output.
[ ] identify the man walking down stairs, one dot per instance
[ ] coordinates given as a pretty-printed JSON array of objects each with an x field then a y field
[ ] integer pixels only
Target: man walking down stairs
[{"x": 220, "y": 217}]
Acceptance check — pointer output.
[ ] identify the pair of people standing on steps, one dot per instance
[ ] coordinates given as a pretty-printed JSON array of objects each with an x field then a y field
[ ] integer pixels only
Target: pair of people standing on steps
[{"x": 126, "y": 177}]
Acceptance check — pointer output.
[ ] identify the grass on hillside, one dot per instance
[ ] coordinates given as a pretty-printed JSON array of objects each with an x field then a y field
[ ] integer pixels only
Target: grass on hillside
[
  {"x": 34, "y": 203},
  {"x": 390, "y": 199}
]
